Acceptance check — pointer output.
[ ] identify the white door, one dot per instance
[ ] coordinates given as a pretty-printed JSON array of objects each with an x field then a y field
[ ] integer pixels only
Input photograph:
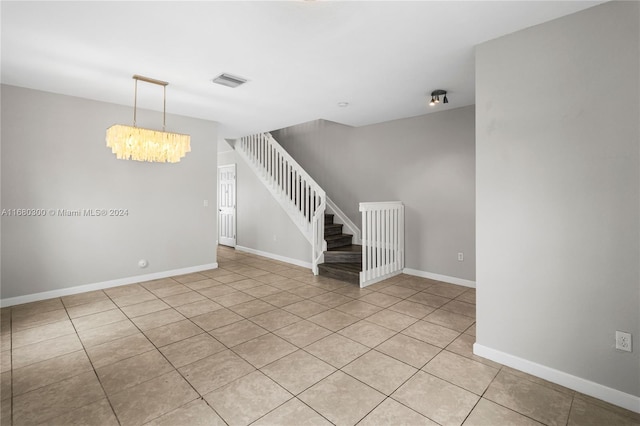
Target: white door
[{"x": 227, "y": 205}]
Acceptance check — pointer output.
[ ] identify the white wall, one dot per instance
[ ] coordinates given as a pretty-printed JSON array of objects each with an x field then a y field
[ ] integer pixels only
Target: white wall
[
  {"x": 262, "y": 224},
  {"x": 427, "y": 162},
  {"x": 558, "y": 199},
  {"x": 54, "y": 156}
]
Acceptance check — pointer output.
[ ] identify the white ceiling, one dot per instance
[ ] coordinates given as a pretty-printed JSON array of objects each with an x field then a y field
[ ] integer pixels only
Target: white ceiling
[{"x": 301, "y": 57}]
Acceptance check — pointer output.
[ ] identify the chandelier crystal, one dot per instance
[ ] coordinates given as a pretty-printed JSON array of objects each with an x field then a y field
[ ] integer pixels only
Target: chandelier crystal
[{"x": 140, "y": 144}]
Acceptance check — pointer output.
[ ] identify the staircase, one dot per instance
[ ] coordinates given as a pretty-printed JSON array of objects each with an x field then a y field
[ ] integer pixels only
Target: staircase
[{"x": 342, "y": 259}]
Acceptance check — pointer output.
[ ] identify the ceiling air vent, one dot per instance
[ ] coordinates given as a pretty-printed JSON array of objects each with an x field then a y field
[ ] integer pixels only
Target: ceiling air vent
[{"x": 229, "y": 80}]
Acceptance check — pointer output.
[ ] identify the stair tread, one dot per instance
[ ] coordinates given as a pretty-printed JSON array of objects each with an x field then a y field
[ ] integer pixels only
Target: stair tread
[
  {"x": 337, "y": 236},
  {"x": 354, "y": 268},
  {"x": 349, "y": 249}
]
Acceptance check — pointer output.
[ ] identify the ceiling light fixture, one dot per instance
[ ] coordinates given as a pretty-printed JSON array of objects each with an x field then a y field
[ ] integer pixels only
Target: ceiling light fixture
[
  {"x": 139, "y": 144},
  {"x": 435, "y": 97}
]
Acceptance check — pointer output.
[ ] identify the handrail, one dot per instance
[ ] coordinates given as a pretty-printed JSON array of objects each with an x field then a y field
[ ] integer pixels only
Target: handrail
[
  {"x": 382, "y": 241},
  {"x": 301, "y": 197}
]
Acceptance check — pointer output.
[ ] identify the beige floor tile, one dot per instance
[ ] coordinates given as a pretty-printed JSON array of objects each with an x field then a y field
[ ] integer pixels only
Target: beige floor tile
[
  {"x": 98, "y": 413},
  {"x": 116, "y": 350},
  {"x": 468, "y": 296},
  {"x": 273, "y": 320},
  {"x": 333, "y": 320},
  {"x": 471, "y": 330},
  {"x": 409, "y": 350},
  {"x": 194, "y": 309},
  {"x": 470, "y": 375},
  {"x": 367, "y": 333},
  {"x": 450, "y": 320},
  {"x": 56, "y": 399},
  {"x": 262, "y": 291},
  {"x": 252, "y": 272},
  {"x": 35, "y": 308},
  {"x": 247, "y": 399},
  {"x": 5, "y": 385},
  {"x": 98, "y": 320},
  {"x": 184, "y": 298},
  {"x": 436, "y": 399},
  {"x": 429, "y": 299},
  {"x": 269, "y": 278},
  {"x": 413, "y": 309},
  {"x": 189, "y": 278},
  {"x": 216, "y": 319},
  {"x": 252, "y": 308},
  {"x": 159, "y": 284},
  {"x": 302, "y": 333},
  {"x": 171, "y": 333},
  {"x": 281, "y": 299},
  {"x": 287, "y": 284},
  {"x": 45, "y": 350},
  {"x": 148, "y": 400},
  {"x": 380, "y": 299},
  {"x": 192, "y": 349},
  {"x": 398, "y": 291},
  {"x": 21, "y": 321},
  {"x": 390, "y": 412},
  {"x": 358, "y": 308},
  {"x": 195, "y": 413},
  {"x": 237, "y": 333},
  {"x": 53, "y": 370},
  {"x": 538, "y": 380},
  {"x": 90, "y": 308},
  {"x": 144, "y": 308},
  {"x": 140, "y": 296},
  {"x": 202, "y": 284},
  {"x": 264, "y": 350},
  {"x": 5, "y": 361},
  {"x": 5, "y": 341},
  {"x": 246, "y": 284},
  {"x": 461, "y": 308},
  {"x": 132, "y": 371},
  {"x": 446, "y": 290},
  {"x": 331, "y": 299},
  {"x": 306, "y": 291},
  {"x": 170, "y": 290},
  {"x": 539, "y": 402},
  {"x": 305, "y": 308},
  {"x": 215, "y": 371},
  {"x": 41, "y": 333},
  {"x": 490, "y": 413},
  {"x": 217, "y": 291},
  {"x": 392, "y": 320},
  {"x": 341, "y": 398},
  {"x": 353, "y": 291},
  {"x": 380, "y": 371},
  {"x": 107, "y": 333},
  {"x": 337, "y": 350},
  {"x": 292, "y": 412},
  {"x": 596, "y": 413},
  {"x": 431, "y": 333},
  {"x": 463, "y": 345},
  {"x": 232, "y": 299},
  {"x": 297, "y": 371},
  {"x": 82, "y": 298},
  {"x": 157, "y": 319},
  {"x": 229, "y": 278}
]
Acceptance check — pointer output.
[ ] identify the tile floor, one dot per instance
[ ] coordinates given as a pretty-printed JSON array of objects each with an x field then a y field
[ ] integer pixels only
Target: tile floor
[{"x": 266, "y": 343}]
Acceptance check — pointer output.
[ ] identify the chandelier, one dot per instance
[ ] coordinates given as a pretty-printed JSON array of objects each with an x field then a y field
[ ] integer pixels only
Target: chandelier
[{"x": 139, "y": 144}]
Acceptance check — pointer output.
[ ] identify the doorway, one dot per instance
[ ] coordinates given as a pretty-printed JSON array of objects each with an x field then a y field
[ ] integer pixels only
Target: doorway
[{"x": 227, "y": 205}]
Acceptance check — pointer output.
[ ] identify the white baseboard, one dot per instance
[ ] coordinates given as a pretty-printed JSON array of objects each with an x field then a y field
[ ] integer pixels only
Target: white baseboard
[
  {"x": 102, "y": 285},
  {"x": 438, "y": 277},
  {"x": 596, "y": 390},
  {"x": 276, "y": 257}
]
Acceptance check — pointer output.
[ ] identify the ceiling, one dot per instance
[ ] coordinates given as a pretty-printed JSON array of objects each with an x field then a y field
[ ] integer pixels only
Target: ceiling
[{"x": 301, "y": 58}]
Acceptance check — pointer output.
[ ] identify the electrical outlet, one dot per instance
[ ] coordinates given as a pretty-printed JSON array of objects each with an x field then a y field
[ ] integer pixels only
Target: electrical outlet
[
  {"x": 623, "y": 341},
  {"x": 460, "y": 257}
]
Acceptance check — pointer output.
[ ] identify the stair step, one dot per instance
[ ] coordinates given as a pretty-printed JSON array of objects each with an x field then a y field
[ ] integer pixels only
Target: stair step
[
  {"x": 328, "y": 219},
  {"x": 332, "y": 229},
  {"x": 339, "y": 240},
  {"x": 347, "y": 272},
  {"x": 345, "y": 254}
]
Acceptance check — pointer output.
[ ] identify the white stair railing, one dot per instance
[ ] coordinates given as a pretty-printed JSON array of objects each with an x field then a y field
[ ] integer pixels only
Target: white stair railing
[
  {"x": 382, "y": 241},
  {"x": 299, "y": 195}
]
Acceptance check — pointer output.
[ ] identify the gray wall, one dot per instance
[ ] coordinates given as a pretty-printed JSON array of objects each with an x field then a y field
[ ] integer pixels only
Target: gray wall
[
  {"x": 427, "y": 162},
  {"x": 558, "y": 194},
  {"x": 262, "y": 224},
  {"x": 54, "y": 157}
]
